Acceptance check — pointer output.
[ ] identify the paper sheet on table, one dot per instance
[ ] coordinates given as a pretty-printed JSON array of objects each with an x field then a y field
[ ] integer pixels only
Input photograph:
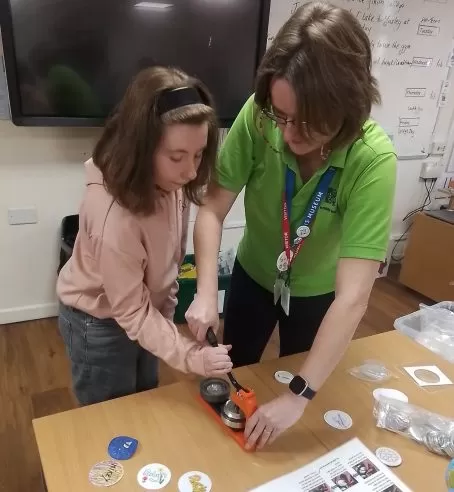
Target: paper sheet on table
[{"x": 350, "y": 466}]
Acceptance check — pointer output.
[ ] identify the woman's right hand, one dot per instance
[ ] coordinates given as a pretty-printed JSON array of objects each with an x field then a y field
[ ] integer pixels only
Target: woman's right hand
[
  {"x": 201, "y": 315},
  {"x": 216, "y": 360}
]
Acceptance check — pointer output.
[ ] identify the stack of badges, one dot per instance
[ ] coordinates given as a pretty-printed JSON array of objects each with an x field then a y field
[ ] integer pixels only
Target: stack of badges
[{"x": 435, "y": 433}]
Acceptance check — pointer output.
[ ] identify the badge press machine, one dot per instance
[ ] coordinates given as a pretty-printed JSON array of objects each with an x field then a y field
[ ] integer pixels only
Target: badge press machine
[{"x": 230, "y": 408}]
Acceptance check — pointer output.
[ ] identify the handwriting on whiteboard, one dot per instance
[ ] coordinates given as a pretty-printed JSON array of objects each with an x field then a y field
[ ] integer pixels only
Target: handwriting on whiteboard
[
  {"x": 415, "y": 92},
  {"x": 411, "y": 53}
]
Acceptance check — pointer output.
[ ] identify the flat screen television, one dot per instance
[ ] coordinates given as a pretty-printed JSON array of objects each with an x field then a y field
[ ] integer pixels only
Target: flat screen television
[{"x": 68, "y": 62}]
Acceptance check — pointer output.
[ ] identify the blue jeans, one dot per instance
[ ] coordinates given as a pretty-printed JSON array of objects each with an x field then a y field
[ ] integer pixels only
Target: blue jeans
[{"x": 105, "y": 363}]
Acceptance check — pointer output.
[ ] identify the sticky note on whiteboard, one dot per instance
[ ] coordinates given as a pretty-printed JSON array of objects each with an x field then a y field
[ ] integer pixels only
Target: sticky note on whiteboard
[{"x": 221, "y": 297}]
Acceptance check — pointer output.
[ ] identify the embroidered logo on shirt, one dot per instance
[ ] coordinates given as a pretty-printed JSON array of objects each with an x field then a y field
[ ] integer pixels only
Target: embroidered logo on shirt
[
  {"x": 330, "y": 202},
  {"x": 331, "y": 197}
]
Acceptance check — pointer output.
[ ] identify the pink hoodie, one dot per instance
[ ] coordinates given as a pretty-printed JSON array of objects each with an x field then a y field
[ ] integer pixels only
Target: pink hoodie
[{"x": 125, "y": 267}]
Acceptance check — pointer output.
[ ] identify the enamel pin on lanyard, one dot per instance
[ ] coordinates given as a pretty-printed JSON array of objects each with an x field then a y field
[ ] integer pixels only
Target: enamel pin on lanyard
[{"x": 287, "y": 257}]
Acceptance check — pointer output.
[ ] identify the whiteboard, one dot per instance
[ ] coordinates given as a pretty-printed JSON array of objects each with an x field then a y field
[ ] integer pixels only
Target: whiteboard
[{"x": 412, "y": 44}]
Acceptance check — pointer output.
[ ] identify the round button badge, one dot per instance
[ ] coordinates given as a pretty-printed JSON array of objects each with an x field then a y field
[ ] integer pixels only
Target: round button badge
[
  {"x": 283, "y": 377},
  {"x": 303, "y": 231},
  {"x": 106, "y": 473},
  {"x": 154, "y": 476},
  {"x": 194, "y": 480},
  {"x": 389, "y": 456},
  {"x": 338, "y": 419},
  {"x": 282, "y": 262}
]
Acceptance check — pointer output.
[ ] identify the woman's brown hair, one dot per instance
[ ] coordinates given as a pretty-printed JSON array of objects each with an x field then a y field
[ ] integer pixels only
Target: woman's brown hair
[
  {"x": 324, "y": 53},
  {"x": 125, "y": 151}
]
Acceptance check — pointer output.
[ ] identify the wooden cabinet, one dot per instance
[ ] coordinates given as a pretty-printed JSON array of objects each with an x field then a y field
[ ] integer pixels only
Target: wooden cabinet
[{"x": 428, "y": 265}]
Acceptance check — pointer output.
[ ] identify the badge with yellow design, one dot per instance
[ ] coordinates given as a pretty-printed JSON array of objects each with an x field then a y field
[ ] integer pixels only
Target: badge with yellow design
[{"x": 194, "y": 481}]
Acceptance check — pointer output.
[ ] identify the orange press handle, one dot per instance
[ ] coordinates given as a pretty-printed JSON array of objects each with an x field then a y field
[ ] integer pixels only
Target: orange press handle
[{"x": 246, "y": 401}]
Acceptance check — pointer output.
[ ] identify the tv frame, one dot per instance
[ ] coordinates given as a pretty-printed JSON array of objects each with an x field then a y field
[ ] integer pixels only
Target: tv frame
[{"x": 10, "y": 65}]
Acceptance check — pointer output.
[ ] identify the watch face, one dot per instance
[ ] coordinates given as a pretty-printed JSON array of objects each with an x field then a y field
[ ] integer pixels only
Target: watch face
[{"x": 298, "y": 385}]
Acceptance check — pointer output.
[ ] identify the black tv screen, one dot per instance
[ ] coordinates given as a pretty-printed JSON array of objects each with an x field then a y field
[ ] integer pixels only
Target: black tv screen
[{"x": 68, "y": 62}]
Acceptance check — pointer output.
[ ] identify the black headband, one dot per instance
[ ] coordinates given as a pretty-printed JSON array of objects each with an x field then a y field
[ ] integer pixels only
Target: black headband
[{"x": 176, "y": 98}]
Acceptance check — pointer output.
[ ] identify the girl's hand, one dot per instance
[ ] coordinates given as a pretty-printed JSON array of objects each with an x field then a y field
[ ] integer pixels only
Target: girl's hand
[
  {"x": 216, "y": 360},
  {"x": 201, "y": 315}
]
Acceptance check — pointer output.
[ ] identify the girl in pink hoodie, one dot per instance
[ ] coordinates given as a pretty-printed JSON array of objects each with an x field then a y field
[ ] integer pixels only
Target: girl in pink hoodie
[{"x": 118, "y": 290}]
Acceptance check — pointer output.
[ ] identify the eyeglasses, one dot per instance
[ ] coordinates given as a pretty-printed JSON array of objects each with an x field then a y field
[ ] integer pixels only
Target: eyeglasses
[{"x": 280, "y": 120}]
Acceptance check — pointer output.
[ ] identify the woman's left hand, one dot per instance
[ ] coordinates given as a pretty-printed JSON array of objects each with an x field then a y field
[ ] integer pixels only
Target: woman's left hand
[{"x": 272, "y": 419}]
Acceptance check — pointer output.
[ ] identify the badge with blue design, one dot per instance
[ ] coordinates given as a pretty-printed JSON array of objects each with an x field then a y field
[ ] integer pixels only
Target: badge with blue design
[
  {"x": 122, "y": 447},
  {"x": 450, "y": 477}
]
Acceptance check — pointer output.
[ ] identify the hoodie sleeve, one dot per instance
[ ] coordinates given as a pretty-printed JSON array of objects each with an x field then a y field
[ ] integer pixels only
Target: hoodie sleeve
[
  {"x": 168, "y": 309},
  {"x": 123, "y": 280}
]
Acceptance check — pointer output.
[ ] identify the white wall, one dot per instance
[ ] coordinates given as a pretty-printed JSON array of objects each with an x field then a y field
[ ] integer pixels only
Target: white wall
[
  {"x": 42, "y": 167},
  {"x": 410, "y": 188}
]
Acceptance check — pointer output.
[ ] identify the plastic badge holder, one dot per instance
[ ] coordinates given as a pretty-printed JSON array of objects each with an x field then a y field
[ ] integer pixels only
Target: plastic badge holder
[
  {"x": 435, "y": 432},
  {"x": 372, "y": 371},
  {"x": 432, "y": 327},
  {"x": 437, "y": 330}
]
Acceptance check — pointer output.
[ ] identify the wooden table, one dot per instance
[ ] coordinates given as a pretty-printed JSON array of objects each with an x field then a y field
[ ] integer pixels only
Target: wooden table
[
  {"x": 175, "y": 430},
  {"x": 420, "y": 470}
]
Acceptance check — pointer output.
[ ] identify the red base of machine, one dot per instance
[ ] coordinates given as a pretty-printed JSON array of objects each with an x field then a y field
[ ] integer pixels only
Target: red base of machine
[{"x": 238, "y": 436}]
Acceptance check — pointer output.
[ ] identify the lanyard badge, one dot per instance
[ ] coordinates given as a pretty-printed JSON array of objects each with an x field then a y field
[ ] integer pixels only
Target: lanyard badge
[{"x": 287, "y": 257}]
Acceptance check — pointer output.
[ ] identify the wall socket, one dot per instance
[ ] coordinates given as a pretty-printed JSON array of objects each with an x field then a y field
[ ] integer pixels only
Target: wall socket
[
  {"x": 20, "y": 216},
  {"x": 438, "y": 148},
  {"x": 432, "y": 169}
]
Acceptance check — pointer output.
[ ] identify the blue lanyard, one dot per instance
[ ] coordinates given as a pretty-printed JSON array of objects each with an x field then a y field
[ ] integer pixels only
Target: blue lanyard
[{"x": 314, "y": 204}]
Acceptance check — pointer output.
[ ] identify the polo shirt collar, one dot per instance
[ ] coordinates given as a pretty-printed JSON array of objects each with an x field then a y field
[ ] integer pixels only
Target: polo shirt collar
[{"x": 336, "y": 159}]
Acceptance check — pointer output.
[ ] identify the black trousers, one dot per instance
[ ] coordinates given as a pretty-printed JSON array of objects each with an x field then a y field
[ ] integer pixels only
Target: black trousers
[{"x": 250, "y": 317}]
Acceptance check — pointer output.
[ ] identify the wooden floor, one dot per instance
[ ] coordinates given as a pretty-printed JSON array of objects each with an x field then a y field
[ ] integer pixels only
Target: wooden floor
[{"x": 35, "y": 380}]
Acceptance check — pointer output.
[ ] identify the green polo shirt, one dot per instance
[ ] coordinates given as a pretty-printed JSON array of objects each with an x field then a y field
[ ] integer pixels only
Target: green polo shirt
[{"x": 353, "y": 221}]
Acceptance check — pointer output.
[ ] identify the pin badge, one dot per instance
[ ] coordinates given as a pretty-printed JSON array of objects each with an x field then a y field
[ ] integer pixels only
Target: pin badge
[
  {"x": 338, "y": 419},
  {"x": 106, "y": 473},
  {"x": 122, "y": 447},
  {"x": 283, "y": 377},
  {"x": 389, "y": 456},
  {"x": 282, "y": 262},
  {"x": 154, "y": 476},
  {"x": 194, "y": 481},
  {"x": 303, "y": 231}
]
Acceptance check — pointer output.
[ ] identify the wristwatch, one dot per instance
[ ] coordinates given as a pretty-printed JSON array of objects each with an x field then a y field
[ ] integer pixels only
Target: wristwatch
[{"x": 300, "y": 387}]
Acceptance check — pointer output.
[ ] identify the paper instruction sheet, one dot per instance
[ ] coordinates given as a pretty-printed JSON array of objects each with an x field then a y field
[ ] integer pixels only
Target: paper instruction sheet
[{"x": 350, "y": 466}]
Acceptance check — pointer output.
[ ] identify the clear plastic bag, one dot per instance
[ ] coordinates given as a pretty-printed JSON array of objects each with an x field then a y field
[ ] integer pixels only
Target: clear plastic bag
[
  {"x": 372, "y": 371},
  {"x": 431, "y": 430},
  {"x": 437, "y": 330}
]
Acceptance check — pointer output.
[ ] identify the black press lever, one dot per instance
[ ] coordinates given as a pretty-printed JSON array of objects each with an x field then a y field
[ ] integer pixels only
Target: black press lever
[{"x": 213, "y": 341}]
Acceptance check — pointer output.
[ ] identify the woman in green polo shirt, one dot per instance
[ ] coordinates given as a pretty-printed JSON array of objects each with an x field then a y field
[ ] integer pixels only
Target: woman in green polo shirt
[{"x": 319, "y": 179}]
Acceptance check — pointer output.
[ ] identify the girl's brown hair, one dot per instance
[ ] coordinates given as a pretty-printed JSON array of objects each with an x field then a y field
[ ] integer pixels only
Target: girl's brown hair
[
  {"x": 125, "y": 151},
  {"x": 324, "y": 53}
]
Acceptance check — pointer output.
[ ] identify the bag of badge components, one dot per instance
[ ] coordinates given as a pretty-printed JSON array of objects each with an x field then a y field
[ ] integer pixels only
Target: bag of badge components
[{"x": 433, "y": 431}]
